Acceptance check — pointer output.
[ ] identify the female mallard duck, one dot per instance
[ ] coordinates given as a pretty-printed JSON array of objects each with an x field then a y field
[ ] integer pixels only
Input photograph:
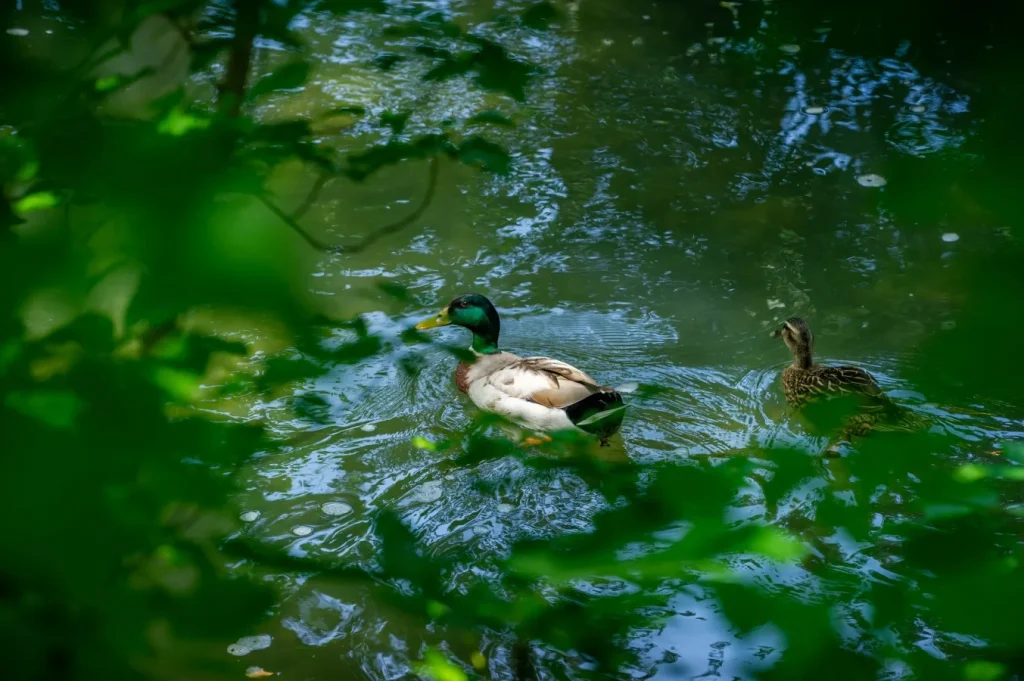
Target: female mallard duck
[
  {"x": 538, "y": 393},
  {"x": 803, "y": 381}
]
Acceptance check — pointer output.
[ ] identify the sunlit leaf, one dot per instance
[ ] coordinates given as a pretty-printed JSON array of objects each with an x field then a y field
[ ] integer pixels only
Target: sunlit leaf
[
  {"x": 179, "y": 385},
  {"x": 36, "y": 201},
  {"x": 437, "y": 610},
  {"x": 420, "y": 442},
  {"x": 436, "y": 666},
  {"x": 55, "y": 408},
  {"x": 107, "y": 83},
  {"x": 777, "y": 545},
  {"x": 177, "y": 123}
]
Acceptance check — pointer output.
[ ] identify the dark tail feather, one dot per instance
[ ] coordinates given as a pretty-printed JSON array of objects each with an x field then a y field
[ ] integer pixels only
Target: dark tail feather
[{"x": 599, "y": 414}]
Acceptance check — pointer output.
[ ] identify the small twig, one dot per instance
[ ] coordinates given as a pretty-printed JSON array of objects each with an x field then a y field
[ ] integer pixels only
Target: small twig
[
  {"x": 406, "y": 221},
  {"x": 287, "y": 219},
  {"x": 290, "y": 220},
  {"x": 314, "y": 192}
]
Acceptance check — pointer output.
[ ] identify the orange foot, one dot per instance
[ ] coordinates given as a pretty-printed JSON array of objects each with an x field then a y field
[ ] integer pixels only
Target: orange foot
[{"x": 534, "y": 441}]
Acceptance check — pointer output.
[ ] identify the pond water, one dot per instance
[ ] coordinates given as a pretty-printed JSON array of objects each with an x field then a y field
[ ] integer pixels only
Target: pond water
[{"x": 679, "y": 186}]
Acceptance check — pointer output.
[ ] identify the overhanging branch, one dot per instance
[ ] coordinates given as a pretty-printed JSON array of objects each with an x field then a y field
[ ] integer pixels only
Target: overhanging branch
[{"x": 291, "y": 220}]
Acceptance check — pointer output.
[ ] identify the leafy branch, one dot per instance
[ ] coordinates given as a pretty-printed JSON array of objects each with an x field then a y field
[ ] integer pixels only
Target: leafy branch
[{"x": 291, "y": 220}]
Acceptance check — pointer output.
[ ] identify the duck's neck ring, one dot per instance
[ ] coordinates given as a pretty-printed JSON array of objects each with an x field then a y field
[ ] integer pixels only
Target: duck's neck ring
[{"x": 485, "y": 342}]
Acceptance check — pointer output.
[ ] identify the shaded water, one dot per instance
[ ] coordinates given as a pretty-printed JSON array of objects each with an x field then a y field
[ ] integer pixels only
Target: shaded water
[{"x": 670, "y": 201}]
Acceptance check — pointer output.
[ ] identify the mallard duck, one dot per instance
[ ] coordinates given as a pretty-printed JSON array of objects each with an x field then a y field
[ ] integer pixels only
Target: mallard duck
[
  {"x": 803, "y": 382},
  {"x": 538, "y": 393}
]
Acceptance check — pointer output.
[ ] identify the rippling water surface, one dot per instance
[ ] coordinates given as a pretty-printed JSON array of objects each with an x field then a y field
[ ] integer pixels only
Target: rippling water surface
[{"x": 671, "y": 200}]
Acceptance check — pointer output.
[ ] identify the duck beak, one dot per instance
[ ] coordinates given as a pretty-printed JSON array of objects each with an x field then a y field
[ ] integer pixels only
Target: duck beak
[
  {"x": 777, "y": 332},
  {"x": 440, "y": 319}
]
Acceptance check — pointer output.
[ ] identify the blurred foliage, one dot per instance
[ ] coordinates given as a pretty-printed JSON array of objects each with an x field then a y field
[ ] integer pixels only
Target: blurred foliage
[
  {"x": 116, "y": 222},
  {"x": 127, "y": 205}
]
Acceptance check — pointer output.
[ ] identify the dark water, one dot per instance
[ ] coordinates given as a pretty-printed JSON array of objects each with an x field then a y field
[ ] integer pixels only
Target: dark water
[{"x": 672, "y": 198}]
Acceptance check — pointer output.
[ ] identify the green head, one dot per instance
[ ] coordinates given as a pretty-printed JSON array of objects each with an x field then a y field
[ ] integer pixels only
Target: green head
[{"x": 474, "y": 312}]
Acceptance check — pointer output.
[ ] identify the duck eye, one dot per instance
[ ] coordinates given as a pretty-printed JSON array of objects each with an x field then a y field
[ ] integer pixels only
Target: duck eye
[{"x": 463, "y": 303}]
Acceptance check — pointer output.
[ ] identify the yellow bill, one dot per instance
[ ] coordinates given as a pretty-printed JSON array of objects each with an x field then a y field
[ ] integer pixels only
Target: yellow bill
[{"x": 440, "y": 319}]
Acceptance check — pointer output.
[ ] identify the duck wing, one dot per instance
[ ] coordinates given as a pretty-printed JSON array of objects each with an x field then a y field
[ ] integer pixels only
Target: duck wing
[
  {"x": 842, "y": 380},
  {"x": 546, "y": 381}
]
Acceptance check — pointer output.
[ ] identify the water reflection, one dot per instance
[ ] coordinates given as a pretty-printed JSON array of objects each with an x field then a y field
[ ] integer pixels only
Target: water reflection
[{"x": 658, "y": 219}]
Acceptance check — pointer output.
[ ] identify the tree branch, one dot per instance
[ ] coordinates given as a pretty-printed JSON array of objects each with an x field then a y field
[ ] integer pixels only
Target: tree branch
[
  {"x": 387, "y": 230},
  {"x": 314, "y": 192},
  {"x": 288, "y": 220},
  {"x": 247, "y": 24}
]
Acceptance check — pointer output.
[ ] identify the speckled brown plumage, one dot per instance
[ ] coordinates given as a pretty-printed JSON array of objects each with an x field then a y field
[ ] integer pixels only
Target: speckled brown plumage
[
  {"x": 802, "y": 384},
  {"x": 804, "y": 381},
  {"x": 462, "y": 376}
]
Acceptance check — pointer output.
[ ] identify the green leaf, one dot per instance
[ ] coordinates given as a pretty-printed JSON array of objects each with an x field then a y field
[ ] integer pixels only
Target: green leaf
[
  {"x": 477, "y": 151},
  {"x": 347, "y": 6},
  {"x": 539, "y": 16},
  {"x": 178, "y": 384},
  {"x": 353, "y": 110},
  {"x": 107, "y": 83},
  {"x": 396, "y": 291},
  {"x": 436, "y": 666},
  {"x": 164, "y": 7},
  {"x": 493, "y": 118},
  {"x": 36, "y": 201},
  {"x": 395, "y": 121},
  {"x": 436, "y": 609},
  {"x": 1014, "y": 451},
  {"x": 387, "y": 61},
  {"x": 55, "y": 408},
  {"x": 983, "y": 670},
  {"x": 178, "y": 123},
  {"x": 420, "y": 442},
  {"x": 287, "y": 77},
  {"x": 206, "y": 52},
  {"x": 777, "y": 545}
]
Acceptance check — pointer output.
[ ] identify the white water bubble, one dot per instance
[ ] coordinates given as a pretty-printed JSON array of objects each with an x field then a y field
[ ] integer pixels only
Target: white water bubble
[
  {"x": 871, "y": 180},
  {"x": 505, "y": 508},
  {"x": 249, "y": 516},
  {"x": 790, "y": 48},
  {"x": 919, "y": 108},
  {"x": 20, "y": 32},
  {"x": 815, "y": 110},
  {"x": 368, "y": 427},
  {"x": 336, "y": 508},
  {"x": 950, "y": 237},
  {"x": 302, "y": 530}
]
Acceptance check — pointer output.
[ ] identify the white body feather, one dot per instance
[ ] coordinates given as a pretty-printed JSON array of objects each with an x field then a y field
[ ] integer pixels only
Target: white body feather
[{"x": 504, "y": 383}]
